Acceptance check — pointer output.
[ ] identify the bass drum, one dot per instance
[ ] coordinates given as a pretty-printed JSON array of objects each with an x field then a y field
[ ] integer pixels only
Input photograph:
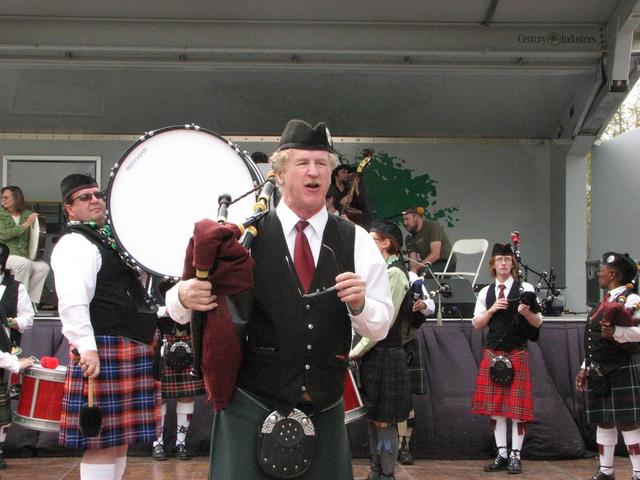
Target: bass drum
[{"x": 167, "y": 181}]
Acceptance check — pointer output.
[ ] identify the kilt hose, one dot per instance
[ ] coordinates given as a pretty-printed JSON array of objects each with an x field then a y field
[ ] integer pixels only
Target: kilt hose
[
  {"x": 622, "y": 404},
  {"x": 125, "y": 392},
  {"x": 179, "y": 383},
  {"x": 385, "y": 385},
  {"x": 235, "y": 434},
  {"x": 513, "y": 401}
]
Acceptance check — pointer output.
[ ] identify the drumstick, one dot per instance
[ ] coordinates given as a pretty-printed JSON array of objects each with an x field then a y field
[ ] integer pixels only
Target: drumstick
[{"x": 90, "y": 416}]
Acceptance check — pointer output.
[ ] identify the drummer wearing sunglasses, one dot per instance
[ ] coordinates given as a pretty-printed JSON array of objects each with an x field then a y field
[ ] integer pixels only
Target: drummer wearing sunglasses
[
  {"x": 101, "y": 321},
  {"x": 297, "y": 350}
]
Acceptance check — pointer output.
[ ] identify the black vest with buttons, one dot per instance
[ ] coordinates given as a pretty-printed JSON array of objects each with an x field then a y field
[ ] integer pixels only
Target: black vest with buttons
[
  {"x": 507, "y": 328},
  {"x": 608, "y": 354},
  {"x": 112, "y": 309},
  {"x": 296, "y": 345}
]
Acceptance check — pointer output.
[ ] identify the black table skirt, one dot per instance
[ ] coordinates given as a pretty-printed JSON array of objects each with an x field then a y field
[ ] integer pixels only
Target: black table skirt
[{"x": 444, "y": 425}]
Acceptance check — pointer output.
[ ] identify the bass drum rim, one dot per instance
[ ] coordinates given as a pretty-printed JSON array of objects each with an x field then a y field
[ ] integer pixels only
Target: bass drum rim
[{"x": 254, "y": 172}]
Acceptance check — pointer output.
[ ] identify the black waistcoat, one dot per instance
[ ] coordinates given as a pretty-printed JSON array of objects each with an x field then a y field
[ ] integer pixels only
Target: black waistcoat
[
  {"x": 607, "y": 353},
  {"x": 506, "y": 325},
  {"x": 112, "y": 309},
  {"x": 9, "y": 300},
  {"x": 294, "y": 343},
  {"x": 394, "y": 337}
]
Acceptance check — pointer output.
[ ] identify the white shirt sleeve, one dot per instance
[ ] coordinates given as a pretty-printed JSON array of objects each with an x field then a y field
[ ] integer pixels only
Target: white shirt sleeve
[
  {"x": 174, "y": 308},
  {"x": 76, "y": 262},
  {"x": 10, "y": 362},
  {"x": 375, "y": 319},
  {"x": 25, "y": 313}
]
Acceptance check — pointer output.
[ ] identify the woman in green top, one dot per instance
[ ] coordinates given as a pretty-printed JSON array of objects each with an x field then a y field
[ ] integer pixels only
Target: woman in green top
[{"x": 15, "y": 225}]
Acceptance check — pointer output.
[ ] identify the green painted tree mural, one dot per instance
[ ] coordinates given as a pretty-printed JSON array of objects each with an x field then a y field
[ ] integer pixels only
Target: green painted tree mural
[{"x": 394, "y": 187}]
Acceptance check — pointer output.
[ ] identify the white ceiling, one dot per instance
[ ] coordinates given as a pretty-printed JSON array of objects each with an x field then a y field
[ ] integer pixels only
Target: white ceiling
[{"x": 506, "y": 69}]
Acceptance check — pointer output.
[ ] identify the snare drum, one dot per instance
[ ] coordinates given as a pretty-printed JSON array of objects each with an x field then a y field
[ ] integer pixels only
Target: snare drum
[
  {"x": 40, "y": 404},
  {"x": 165, "y": 183},
  {"x": 353, "y": 406}
]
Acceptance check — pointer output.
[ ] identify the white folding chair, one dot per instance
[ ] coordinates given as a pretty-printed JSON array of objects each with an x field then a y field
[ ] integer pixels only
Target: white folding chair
[{"x": 466, "y": 246}]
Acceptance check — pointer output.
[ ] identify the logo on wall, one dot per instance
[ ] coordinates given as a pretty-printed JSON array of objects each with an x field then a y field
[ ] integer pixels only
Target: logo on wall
[{"x": 393, "y": 187}]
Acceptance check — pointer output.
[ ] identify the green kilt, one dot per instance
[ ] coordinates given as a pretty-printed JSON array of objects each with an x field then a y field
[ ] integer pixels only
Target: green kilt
[
  {"x": 622, "y": 404},
  {"x": 235, "y": 432},
  {"x": 385, "y": 385}
]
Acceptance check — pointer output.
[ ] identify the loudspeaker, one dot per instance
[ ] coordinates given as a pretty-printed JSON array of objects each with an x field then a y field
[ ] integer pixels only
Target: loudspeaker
[{"x": 462, "y": 301}]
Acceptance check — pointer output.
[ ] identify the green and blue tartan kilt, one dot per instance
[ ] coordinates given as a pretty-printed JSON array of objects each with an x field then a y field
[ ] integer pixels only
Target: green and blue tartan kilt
[
  {"x": 415, "y": 367},
  {"x": 235, "y": 434},
  {"x": 179, "y": 383},
  {"x": 385, "y": 385},
  {"x": 622, "y": 404},
  {"x": 125, "y": 392}
]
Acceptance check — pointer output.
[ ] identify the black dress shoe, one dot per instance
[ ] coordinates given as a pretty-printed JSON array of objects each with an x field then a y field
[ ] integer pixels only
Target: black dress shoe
[
  {"x": 182, "y": 453},
  {"x": 515, "y": 466},
  {"x": 499, "y": 463},
  {"x": 159, "y": 453},
  {"x": 603, "y": 476},
  {"x": 404, "y": 456}
]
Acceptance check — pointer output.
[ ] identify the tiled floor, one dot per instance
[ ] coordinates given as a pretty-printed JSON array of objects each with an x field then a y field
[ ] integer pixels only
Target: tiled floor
[{"x": 146, "y": 469}]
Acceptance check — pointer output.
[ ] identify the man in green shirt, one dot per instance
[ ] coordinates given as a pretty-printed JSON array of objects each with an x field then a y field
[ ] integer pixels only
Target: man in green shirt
[{"x": 428, "y": 243}]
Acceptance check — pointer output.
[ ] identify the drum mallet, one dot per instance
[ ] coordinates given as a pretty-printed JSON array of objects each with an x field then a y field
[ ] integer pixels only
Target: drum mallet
[{"x": 90, "y": 420}]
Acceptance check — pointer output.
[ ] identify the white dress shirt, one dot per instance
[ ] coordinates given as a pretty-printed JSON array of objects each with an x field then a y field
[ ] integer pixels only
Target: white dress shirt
[
  {"x": 374, "y": 320},
  {"x": 24, "y": 308}
]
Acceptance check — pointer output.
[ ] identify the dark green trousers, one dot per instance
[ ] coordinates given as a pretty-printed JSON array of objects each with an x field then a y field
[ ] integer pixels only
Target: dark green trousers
[{"x": 235, "y": 433}]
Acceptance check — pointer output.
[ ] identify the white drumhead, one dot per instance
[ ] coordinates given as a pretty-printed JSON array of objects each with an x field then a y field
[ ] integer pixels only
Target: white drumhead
[
  {"x": 168, "y": 181},
  {"x": 34, "y": 237}
]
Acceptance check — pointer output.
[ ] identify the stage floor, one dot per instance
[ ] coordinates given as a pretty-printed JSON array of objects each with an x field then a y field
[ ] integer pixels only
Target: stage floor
[{"x": 139, "y": 468}]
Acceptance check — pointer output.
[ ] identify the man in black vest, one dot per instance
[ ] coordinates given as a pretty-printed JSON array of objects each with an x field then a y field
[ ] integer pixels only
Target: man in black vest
[
  {"x": 296, "y": 352},
  {"x": 611, "y": 370},
  {"x": 512, "y": 322},
  {"x": 101, "y": 320}
]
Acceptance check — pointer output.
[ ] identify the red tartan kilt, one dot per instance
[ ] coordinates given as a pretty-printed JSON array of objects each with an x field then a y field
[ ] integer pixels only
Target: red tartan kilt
[{"x": 513, "y": 401}]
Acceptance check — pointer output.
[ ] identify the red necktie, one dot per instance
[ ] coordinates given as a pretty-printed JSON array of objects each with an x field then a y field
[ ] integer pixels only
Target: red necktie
[
  {"x": 302, "y": 257},
  {"x": 502, "y": 286}
]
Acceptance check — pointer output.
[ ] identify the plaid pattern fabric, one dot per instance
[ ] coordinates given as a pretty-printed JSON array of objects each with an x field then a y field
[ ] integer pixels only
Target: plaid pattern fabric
[
  {"x": 512, "y": 401},
  {"x": 125, "y": 392},
  {"x": 179, "y": 383},
  {"x": 622, "y": 405},
  {"x": 415, "y": 367},
  {"x": 385, "y": 385}
]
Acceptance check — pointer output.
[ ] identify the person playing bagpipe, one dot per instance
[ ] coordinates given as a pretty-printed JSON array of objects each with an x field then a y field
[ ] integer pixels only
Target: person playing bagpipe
[
  {"x": 510, "y": 309},
  {"x": 610, "y": 374}
]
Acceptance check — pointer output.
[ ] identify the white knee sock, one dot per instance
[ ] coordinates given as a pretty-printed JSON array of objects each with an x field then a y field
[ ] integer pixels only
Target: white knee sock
[
  {"x": 3, "y": 435},
  {"x": 97, "y": 471},
  {"x": 517, "y": 437},
  {"x": 632, "y": 441},
  {"x": 121, "y": 465},
  {"x": 500, "y": 434},
  {"x": 163, "y": 414},
  {"x": 606, "y": 438},
  {"x": 184, "y": 411}
]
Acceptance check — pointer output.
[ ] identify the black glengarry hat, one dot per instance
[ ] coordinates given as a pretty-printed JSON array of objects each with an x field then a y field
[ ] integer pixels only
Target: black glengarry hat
[
  {"x": 623, "y": 263},
  {"x": 74, "y": 182},
  {"x": 300, "y": 134},
  {"x": 389, "y": 230},
  {"x": 501, "y": 249}
]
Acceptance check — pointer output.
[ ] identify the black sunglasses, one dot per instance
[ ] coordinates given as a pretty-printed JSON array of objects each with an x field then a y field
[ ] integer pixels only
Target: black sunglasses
[
  {"x": 86, "y": 197},
  {"x": 323, "y": 290}
]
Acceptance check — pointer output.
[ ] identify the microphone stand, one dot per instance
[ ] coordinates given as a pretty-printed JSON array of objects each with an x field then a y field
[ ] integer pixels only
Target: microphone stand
[{"x": 438, "y": 291}]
